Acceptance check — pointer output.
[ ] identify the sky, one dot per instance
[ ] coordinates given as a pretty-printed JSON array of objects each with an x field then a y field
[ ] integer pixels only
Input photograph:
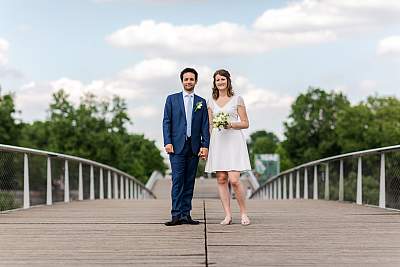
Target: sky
[{"x": 136, "y": 49}]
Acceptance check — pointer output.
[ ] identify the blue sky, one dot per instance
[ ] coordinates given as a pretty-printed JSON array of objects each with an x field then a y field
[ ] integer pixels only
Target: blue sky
[{"x": 136, "y": 49}]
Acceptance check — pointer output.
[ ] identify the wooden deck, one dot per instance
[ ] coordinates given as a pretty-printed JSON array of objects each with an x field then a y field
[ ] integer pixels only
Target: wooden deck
[{"x": 123, "y": 232}]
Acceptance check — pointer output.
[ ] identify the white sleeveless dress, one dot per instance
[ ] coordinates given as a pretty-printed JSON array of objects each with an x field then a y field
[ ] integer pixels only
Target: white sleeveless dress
[{"x": 228, "y": 149}]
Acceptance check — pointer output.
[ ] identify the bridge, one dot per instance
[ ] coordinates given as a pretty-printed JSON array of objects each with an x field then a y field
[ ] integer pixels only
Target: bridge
[{"x": 64, "y": 210}]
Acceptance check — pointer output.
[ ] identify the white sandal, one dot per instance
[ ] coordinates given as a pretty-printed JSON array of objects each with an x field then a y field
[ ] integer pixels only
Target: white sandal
[
  {"x": 245, "y": 220},
  {"x": 226, "y": 221}
]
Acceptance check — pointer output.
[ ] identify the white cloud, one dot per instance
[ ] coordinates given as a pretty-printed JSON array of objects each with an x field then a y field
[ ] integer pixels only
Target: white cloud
[
  {"x": 145, "y": 98},
  {"x": 260, "y": 98},
  {"x": 305, "y": 22},
  {"x": 368, "y": 87},
  {"x": 164, "y": 2},
  {"x": 223, "y": 38},
  {"x": 145, "y": 111},
  {"x": 7, "y": 71},
  {"x": 389, "y": 46},
  {"x": 151, "y": 69},
  {"x": 3, "y": 51},
  {"x": 329, "y": 15}
]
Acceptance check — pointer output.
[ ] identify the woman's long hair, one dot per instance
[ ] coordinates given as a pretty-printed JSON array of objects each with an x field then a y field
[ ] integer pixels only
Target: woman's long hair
[{"x": 225, "y": 73}]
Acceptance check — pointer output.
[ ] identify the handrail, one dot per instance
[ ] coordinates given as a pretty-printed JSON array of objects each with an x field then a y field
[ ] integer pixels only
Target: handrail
[
  {"x": 341, "y": 156},
  {"x": 10, "y": 148},
  {"x": 385, "y": 180}
]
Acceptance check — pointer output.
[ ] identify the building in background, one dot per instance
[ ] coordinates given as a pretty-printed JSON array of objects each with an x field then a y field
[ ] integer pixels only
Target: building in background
[{"x": 267, "y": 166}]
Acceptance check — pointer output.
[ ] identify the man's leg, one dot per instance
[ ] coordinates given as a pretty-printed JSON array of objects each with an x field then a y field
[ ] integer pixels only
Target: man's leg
[
  {"x": 178, "y": 176},
  {"x": 192, "y": 162}
]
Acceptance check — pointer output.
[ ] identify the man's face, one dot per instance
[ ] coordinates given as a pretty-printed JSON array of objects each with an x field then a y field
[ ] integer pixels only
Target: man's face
[{"x": 189, "y": 81}]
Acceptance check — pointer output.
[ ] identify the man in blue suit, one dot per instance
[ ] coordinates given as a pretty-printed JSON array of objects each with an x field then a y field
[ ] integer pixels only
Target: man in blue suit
[{"x": 186, "y": 138}]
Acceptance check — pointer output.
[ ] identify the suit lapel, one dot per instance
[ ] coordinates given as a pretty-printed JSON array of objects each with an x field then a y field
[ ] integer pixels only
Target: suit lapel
[
  {"x": 181, "y": 104},
  {"x": 195, "y": 101}
]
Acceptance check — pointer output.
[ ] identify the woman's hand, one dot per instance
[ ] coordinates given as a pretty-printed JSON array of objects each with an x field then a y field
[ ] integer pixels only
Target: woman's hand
[{"x": 228, "y": 126}]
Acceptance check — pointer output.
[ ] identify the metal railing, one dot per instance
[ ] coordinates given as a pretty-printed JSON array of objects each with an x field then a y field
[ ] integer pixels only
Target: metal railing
[
  {"x": 365, "y": 177},
  {"x": 34, "y": 177}
]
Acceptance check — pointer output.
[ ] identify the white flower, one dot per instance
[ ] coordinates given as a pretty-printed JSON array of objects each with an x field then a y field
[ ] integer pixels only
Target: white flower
[
  {"x": 221, "y": 120},
  {"x": 198, "y": 106}
]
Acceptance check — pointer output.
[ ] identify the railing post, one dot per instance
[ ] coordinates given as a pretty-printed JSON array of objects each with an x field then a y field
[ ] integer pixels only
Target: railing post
[
  {"x": 264, "y": 192},
  {"x": 121, "y": 183},
  {"x": 91, "y": 183},
  {"x": 315, "y": 190},
  {"x": 126, "y": 188},
  {"x": 298, "y": 184},
  {"x": 66, "y": 182},
  {"x": 327, "y": 197},
  {"x": 109, "y": 196},
  {"x": 359, "y": 182},
  {"x": 49, "y": 198},
  {"x": 26, "y": 182},
  {"x": 80, "y": 186},
  {"x": 284, "y": 188},
  {"x": 382, "y": 184},
  {"x": 131, "y": 189},
  {"x": 135, "y": 196},
  {"x": 275, "y": 190},
  {"x": 115, "y": 186},
  {"x": 291, "y": 185},
  {"x": 270, "y": 187},
  {"x": 305, "y": 183},
  {"x": 341, "y": 181},
  {"x": 280, "y": 188},
  {"x": 101, "y": 185}
]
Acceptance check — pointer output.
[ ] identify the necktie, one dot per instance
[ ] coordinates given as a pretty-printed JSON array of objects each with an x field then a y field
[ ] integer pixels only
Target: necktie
[{"x": 189, "y": 107}]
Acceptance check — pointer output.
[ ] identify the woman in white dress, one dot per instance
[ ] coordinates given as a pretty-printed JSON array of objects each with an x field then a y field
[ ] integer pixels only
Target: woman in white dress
[{"x": 228, "y": 155}]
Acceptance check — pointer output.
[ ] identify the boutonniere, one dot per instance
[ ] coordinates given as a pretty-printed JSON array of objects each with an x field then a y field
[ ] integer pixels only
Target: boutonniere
[{"x": 198, "y": 106}]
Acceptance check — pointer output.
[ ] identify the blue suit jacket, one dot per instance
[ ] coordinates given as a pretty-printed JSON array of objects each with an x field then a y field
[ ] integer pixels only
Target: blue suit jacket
[{"x": 174, "y": 123}]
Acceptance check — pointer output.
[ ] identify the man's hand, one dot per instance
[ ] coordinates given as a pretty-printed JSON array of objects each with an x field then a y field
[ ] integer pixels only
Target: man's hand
[
  {"x": 203, "y": 154},
  {"x": 169, "y": 148}
]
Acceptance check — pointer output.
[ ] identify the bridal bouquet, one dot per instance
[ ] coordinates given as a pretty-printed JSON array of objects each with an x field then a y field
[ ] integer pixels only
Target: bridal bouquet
[{"x": 221, "y": 120}]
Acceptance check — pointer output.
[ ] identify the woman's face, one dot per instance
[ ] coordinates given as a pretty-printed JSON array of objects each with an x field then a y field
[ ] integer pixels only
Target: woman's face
[{"x": 221, "y": 82}]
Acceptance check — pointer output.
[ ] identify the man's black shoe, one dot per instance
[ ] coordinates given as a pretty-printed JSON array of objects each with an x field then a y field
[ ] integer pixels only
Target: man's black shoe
[
  {"x": 188, "y": 220},
  {"x": 173, "y": 222}
]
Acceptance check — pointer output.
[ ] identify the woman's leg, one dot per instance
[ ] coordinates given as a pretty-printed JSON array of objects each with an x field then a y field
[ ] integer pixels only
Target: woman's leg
[
  {"x": 222, "y": 180},
  {"x": 234, "y": 178}
]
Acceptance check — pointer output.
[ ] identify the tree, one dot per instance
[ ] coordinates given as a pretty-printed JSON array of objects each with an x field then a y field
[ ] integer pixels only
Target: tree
[
  {"x": 310, "y": 130},
  {"x": 9, "y": 128},
  {"x": 95, "y": 129},
  {"x": 370, "y": 124}
]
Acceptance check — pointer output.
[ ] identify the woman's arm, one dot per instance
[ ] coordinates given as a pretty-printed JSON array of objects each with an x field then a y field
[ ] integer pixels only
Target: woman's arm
[
  {"x": 244, "y": 121},
  {"x": 210, "y": 118}
]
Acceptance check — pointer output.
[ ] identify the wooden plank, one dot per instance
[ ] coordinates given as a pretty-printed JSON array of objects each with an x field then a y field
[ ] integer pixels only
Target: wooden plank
[
  {"x": 123, "y": 232},
  {"x": 102, "y": 232},
  {"x": 304, "y": 233}
]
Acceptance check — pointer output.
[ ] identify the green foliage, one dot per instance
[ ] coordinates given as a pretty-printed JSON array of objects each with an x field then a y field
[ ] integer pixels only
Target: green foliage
[
  {"x": 200, "y": 169},
  {"x": 311, "y": 128},
  {"x": 9, "y": 128},
  {"x": 7, "y": 201},
  {"x": 370, "y": 124},
  {"x": 285, "y": 161},
  {"x": 95, "y": 130}
]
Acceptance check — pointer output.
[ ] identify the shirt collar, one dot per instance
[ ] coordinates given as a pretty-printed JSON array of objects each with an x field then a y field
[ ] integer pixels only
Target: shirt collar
[{"x": 187, "y": 94}]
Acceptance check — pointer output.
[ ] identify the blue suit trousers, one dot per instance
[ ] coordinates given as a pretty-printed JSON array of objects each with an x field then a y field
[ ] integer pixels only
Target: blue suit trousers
[{"x": 184, "y": 167}]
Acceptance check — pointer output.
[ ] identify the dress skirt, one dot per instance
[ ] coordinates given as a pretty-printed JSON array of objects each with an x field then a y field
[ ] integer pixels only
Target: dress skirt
[{"x": 227, "y": 151}]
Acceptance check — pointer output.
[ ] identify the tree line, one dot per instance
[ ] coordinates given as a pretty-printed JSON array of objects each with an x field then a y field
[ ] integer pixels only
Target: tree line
[
  {"x": 320, "y": 124},
  {"x": 324, "y": 123},
  {"x": 94, "y": 129}
]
